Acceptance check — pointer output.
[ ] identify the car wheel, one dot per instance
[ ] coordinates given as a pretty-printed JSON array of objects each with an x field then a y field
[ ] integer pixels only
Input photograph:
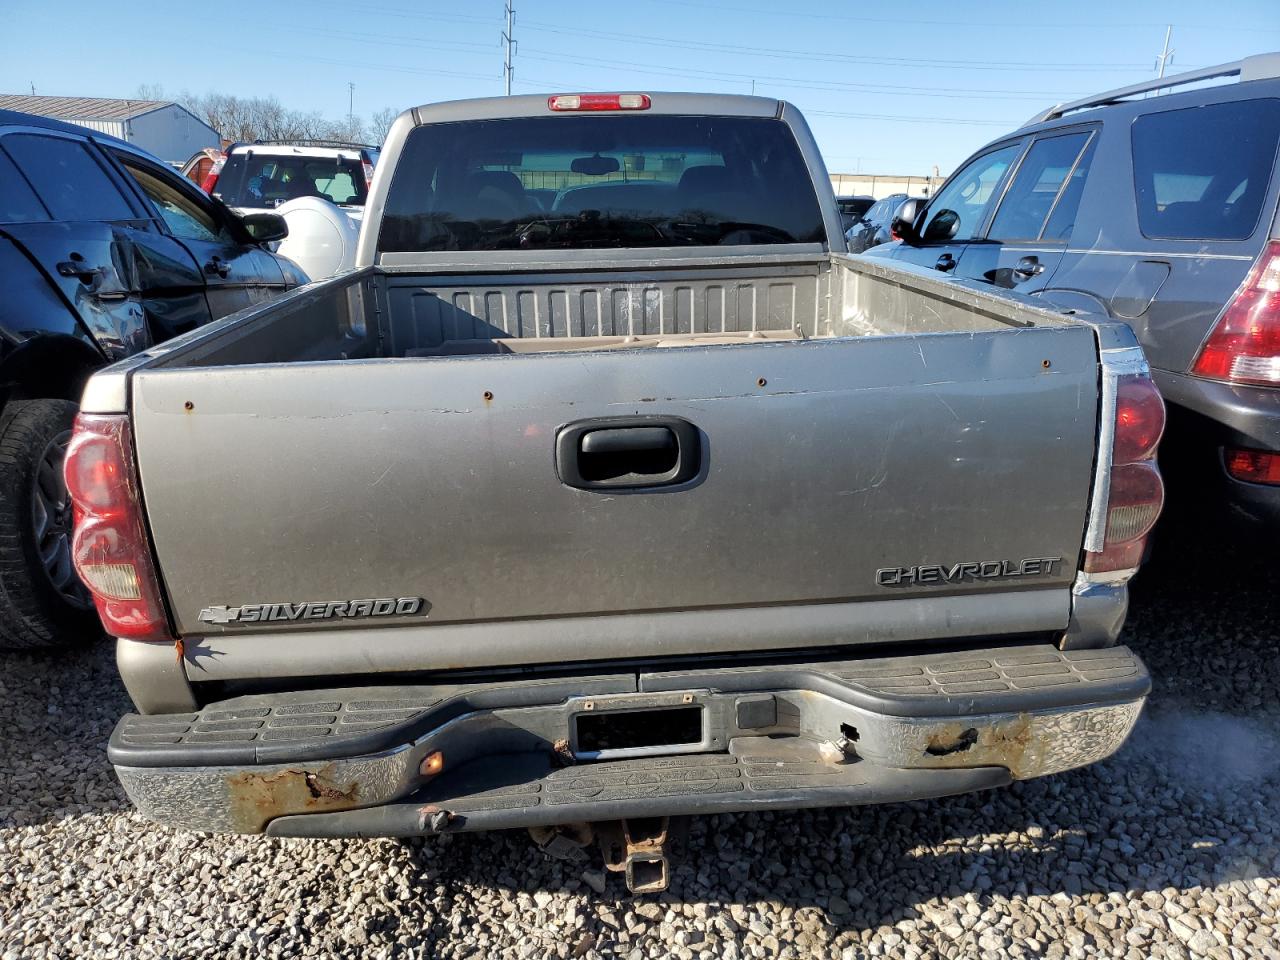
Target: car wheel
[{"x": 42, "y": 601}]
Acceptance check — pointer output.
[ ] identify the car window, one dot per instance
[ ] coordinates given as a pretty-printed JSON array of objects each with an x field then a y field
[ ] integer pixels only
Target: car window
[
  {"x": 264, "y": 180},
  {"x": 68, "y": 178},
  {"x": 1063, "y": 217},
  {"x": 186, "y": 219},
  {"x": 338, "y": 185},
  {"x": 618, "y": 181},
  {"x": 18, "y": 202},
  {"x": 1041, "y": 174},
  {"x": 1203, "y": 173},
  {"x": 957, "y": 211}
]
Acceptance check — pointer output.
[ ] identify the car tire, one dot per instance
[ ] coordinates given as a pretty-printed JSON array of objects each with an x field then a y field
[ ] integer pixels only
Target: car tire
[{"x": 42, "y": 602}]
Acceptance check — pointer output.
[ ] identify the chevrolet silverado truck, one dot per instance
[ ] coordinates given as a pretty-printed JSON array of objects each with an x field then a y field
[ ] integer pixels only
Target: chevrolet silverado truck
[{"x": 608, "y": 489}]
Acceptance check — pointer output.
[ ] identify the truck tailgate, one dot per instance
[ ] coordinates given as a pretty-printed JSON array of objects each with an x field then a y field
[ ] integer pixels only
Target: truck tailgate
[{"x": 876, "y": 469}]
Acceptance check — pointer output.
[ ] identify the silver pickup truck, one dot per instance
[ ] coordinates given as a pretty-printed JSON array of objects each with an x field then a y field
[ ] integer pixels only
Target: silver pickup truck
[{"x": 609, "y": 489}]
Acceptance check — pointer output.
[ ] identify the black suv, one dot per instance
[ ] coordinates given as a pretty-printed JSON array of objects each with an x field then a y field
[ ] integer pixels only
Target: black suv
[
  {"x": 104, "y": 251},
  {"x": 1160, "y": 211}
]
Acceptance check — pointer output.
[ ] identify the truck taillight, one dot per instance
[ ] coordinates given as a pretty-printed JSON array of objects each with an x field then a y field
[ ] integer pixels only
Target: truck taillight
[
  {"x": 1135, "y": 492},
  {"x": 211, "y": 178},
  {"x": 599, "y": 101},
  {"x": 110, "y": 548},
  {"x": 1244, "y": 346}
]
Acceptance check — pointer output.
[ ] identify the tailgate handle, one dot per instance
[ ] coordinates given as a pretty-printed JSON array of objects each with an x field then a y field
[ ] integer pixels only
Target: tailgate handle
[
  {"x": 638, "y": 440},
  {"x": 628, "y": 453}
]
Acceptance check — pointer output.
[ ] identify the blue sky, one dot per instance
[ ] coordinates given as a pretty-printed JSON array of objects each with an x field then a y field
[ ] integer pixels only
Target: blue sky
[{"x": 888, "y": 87}]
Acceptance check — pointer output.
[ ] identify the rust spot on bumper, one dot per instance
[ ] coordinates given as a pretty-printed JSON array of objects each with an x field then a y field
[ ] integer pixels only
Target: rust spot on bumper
[
  {"x": 1015, "y": 743},
  {"x": 257, "y": 798}
]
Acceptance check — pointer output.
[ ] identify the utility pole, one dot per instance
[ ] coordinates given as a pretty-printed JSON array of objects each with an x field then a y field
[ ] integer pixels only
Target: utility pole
[
  {"x": 508, "y": 69},
  {"x": 1166, "y": 55},
  {"x": 351, "y": 100}
]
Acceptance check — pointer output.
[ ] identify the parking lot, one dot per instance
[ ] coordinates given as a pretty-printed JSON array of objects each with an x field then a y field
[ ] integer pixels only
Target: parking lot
[{"x": 1169, "y": 849}]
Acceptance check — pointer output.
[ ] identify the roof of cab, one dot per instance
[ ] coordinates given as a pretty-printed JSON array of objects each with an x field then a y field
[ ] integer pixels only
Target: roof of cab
[{"x": 535, "y": 105}]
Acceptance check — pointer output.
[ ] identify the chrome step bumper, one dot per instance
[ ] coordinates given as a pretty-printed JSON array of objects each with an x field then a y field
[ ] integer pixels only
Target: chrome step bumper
[{"x": 355, "y": 762}]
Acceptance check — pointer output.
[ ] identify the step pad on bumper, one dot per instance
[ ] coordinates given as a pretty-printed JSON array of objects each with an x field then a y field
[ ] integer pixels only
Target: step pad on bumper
[
  {"x": 307, "y": 720},
  {"x": 998, "y": 673},
  {"x": 697, "y": 774},
  {"x": 654, "y": 786}
]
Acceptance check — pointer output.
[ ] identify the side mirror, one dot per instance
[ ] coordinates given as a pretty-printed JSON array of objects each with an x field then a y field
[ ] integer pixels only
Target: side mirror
[
  {"x": 265, "y": 227},
  {"x": 902, "y": 226},
  {"x": 943, "y": 226}
]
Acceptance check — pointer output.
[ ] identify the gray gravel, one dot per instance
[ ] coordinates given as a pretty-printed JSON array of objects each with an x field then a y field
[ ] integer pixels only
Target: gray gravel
[{"x": 1170, "y": 849}]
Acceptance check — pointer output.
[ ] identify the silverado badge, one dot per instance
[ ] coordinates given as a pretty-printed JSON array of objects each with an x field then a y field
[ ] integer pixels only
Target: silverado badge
[{"x": 318, "y": 610}]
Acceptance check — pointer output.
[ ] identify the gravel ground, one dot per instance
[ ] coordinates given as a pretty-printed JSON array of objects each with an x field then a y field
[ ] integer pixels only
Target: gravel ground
[{"x": 1170, "y": 849}]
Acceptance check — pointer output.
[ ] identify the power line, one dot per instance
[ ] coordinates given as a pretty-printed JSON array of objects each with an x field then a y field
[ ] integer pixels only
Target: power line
[
  {"x": 810, "y": 55},
  {"x": 901, "y": 119},
  {"x": 1031, "y": 23},
  {"x": 416, "y": 71},
  {"x": 796, "y": 82}
]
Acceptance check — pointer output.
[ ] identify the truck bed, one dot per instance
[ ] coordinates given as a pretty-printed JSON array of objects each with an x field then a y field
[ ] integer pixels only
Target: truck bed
[{"x": 461, "y": 310}]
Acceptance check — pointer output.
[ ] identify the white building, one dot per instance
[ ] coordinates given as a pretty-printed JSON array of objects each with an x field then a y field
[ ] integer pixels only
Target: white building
[
  {"x": 880, "y": 185},
  {"x": 160, "y": 127}
]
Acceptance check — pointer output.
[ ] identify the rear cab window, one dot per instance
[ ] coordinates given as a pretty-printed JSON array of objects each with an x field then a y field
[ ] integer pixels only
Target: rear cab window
[
  {"x": 265, "y": 180},
  {"x": 1203, "y": 173},
  {"x": 600, "y": 182}
]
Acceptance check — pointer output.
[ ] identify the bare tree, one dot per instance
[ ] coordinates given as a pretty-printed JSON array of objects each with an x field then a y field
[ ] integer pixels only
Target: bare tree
[
  {"x": 149, "y": 91},
  {"x": 265, "y": 118},
  {"x": 380, "y": 124},
  {"x": 348, "y": 129}
]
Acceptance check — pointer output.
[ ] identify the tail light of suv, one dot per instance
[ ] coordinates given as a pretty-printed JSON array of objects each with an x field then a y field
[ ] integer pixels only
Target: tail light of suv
[
  {"x": 1244, "y": 346},
  {"x": 1135, "y": 493},
  {"x": 110, "y": 548},
  {"x": 210, "y": 180}
]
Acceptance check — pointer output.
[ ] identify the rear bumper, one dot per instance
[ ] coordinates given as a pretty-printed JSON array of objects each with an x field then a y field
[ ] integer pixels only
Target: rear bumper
[
  {"x": 1205, "y": 417},
  {"x": 348, "y": 762}
]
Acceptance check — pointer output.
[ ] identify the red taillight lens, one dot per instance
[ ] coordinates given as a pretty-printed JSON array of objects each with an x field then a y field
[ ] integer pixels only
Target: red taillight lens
[
  {"x": 1139, "y": 419},
  {"x": 1244, "y": 347},
  {"x": 1253, "y": 466},
  {"x": 1136, "y": 493},
  {"x": 110, "y": 548},
  {"x": 368, "y": 173},
  {"x": 211, "y": 178},
  {"x": 599, "y": 101}
]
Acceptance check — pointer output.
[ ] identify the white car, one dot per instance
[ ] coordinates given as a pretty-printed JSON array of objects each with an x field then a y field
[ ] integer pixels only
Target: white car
[{"x": 318, "y": 186}]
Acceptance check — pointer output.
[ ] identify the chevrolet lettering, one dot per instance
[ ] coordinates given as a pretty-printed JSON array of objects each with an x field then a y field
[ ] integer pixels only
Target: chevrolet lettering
[{"x": 965, "y": 572}]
